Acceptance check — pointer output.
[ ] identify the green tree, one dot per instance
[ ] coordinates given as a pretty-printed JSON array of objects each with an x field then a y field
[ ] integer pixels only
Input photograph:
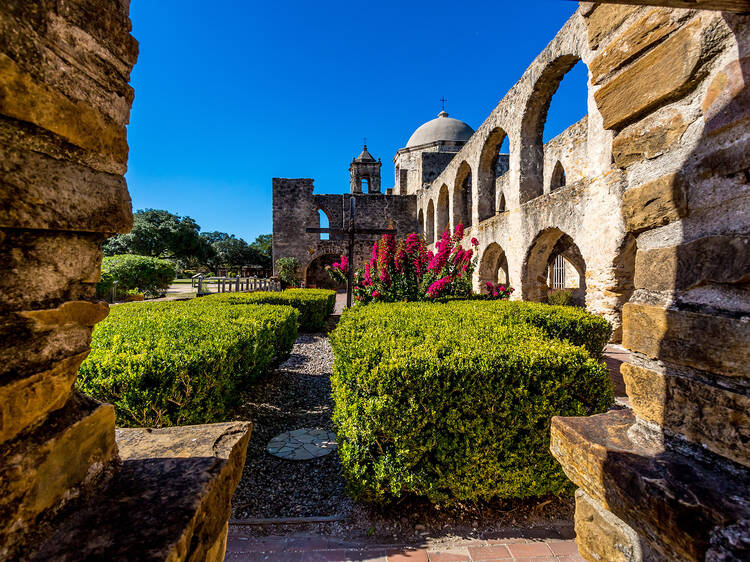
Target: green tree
[
  {"x": 230, "y": 251},
  {"x": 263, "y": 244},
  {"x": 161, "y": 234}
]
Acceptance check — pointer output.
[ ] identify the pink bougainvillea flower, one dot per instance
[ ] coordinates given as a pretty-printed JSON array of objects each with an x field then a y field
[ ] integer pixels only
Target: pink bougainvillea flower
[
  {"x": 459, "y": 230},
  {"x": 438, "y": 287},
  {"x": 375, "y": 294},
  {"x": 474, "y": 242}
]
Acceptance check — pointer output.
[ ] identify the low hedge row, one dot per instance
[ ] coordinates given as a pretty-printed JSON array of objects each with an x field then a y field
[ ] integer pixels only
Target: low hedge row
[
  {"x": 453, "y": 402},
  {"x": 314, "y": 305},
  {"x": 164, "y": 364}
]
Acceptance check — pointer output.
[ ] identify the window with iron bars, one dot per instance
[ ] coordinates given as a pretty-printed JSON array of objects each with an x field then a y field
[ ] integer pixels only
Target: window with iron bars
[{"x": 558, "y": 273}]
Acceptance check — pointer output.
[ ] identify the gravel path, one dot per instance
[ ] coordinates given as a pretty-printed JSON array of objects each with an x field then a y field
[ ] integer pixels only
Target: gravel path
[{"x": 296, "y": 395}]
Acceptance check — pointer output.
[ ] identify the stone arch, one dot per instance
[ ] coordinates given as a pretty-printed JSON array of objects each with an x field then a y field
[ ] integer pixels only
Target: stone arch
[
  {"x": 539, "y": 263},
  {"x": 488, "y": 173},
  {"x": 493, "y": 267},
  {"x": 442, "y": 212},
  {"x": 430, "y": 223},
  {"x": 420, "y": 222},
  {"x": 501, "y": 204},
  {"x": 324, "y": 221},
  {"x": 532, "y": 125},
  {"x": 316, "y": 274},
  {"x": 462, "y": 200},
  {"x": 558, "y": 178}
]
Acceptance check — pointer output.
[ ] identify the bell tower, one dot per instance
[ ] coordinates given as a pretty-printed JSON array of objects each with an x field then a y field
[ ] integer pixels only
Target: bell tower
[{"x": 364, "y": 173}]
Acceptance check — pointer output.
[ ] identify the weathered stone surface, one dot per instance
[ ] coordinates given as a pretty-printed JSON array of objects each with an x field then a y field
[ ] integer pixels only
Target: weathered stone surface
[
  {"x": 604, "y": 20},
  {"x": 725, "y": 162},
  {"x": 41, "y": 192},
  {"x": 602, "y": 536},
  {"x": 674, "y": 502},
  {"x": 79, "y": 313},
  {"x": 711, "y": 416},
  {"x": 639, "y": 36},
  {"x": 170, "y": 500},
  {"x": 718, "y": 5},
  {"x": 655, "y": 203},
  {"x": 21, "y": 97},
  {"x": 47, "y": 267},
  {"x": 685, "y": 266},
  {"x": 648, "y": 138},
  {"x": 43, "y": 469},
  {"x": 727, "y": 101},
  {"x": 663, "y": 73},
  {"x": 709, "y": 342},
  {"x": 26, "y": 402}
]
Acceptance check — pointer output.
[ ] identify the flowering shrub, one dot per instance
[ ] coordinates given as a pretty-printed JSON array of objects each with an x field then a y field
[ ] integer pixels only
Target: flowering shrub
[
  {"x": 498, "y": 291},
  {"x": 406, "y": 271}
]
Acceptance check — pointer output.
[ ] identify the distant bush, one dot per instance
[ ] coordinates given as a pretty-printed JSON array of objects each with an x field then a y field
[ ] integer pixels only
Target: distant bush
[
  {"x": 314, "y": 305},
  {"x": 288, "y": 269},
  {"x": 560, "y": 298},
  {"x": 150, "y": 276},
  {"x": 170, "y": 363},
  {"x": 453, "y": 402}
]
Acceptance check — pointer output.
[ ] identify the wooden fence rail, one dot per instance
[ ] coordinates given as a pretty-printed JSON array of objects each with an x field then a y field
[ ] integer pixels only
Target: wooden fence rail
[{"x": 237, "y": 284}]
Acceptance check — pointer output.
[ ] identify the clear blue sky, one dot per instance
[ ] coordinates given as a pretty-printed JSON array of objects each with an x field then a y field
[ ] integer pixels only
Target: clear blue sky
[{"x": 229, "y": 94}]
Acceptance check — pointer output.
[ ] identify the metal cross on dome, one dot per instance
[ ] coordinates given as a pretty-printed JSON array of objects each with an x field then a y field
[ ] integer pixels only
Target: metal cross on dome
[
  {"x": 443, "y": 100},
  {"x": 351, "y": 231}
]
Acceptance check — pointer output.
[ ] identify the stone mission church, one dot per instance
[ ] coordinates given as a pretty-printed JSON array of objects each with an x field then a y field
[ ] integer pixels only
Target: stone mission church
[{"x": 427, "y": 153}]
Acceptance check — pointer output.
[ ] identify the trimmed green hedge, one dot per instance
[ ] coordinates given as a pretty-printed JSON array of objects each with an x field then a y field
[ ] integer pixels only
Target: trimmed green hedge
[
  {"x": 169, "y": 363},
  {"x": 453, "y": 402},
  {"x": 570, "y": 323},
  {"x": 314, "y": 305}
]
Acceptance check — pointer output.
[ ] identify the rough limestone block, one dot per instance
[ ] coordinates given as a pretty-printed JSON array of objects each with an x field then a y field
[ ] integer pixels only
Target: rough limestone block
[
  {"x": 41, "y": 192},
  {"x": 43, "y": 267},
  {"x": 648, "y": 138},
  {"x": 26, "y": 402},
  {"x": 43, "y": 469},
  {"x": 22, "y": 97},
  {"x": 604, "y": 20},
  {"x": 644, "y": 32},
  {"x": 35, "y": 339},
  {"x": 170, "y": 500},
  {"x": 686, "y": 266},
  {"x": 655, "y": 203},
  {"x": 662, "y": 74},
  {"x": 675, "y": 503},
  {"x": 602, "y": 536},
  {"x": 727, "y": 101},
  {"x": 714, "y": 343},
  {"x": 711, "y": 416}
]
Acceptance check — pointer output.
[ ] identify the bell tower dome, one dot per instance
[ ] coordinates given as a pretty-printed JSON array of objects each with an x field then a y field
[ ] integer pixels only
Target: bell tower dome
[{"x": 364, "y": 172}]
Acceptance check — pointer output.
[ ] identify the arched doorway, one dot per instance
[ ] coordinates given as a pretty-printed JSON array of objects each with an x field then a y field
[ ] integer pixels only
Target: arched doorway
[
  {"x": 554, "y": 263},
  {"x": 493, "y": 267},
  {"x": 316, "y": 275},
  {"x": 462, "y": 196},
  {"x": 442, "y": 219}
]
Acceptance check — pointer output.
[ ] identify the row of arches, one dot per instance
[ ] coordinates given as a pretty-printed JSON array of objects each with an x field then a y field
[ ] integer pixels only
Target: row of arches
[{"x": 558, "y": 99}]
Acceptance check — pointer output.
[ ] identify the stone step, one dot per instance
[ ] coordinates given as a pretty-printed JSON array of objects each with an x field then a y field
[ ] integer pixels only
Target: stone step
[
  {"x": 684, "y": 507},
  {"x": 170, "y": 499}
]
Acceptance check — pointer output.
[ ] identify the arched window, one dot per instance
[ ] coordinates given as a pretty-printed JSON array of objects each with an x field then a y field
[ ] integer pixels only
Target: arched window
[
  {"x": 501, "y": 204},
  {"x": 430, "y": 222},
  {"x": 364, "y": 185},
  {"x": 559, "y": 99},
  {"x": 462, "y": 200},
  {"x": 443, "y": 216},
  {"x": 323, "y": 223},
  {"x": 493, "y": 163},
  {"x": 558, "y": 177}
]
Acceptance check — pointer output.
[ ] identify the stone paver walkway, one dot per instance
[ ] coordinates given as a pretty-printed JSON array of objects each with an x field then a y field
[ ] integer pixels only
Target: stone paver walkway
[
  {"x": 303, "y": 444},
  {"x": 314, "y": 548}
]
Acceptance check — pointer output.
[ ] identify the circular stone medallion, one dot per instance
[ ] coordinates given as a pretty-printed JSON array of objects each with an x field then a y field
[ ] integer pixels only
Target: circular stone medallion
[{"x": 303, "y": 444}]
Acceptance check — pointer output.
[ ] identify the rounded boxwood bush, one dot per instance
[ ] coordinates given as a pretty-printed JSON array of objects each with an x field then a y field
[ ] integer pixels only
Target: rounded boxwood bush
[
  {"x": 144, "y": 274},
  {"x": 169, "y": 363},
  {"x": 453, "y": 402},
  {"x": 314, "y": 305}
]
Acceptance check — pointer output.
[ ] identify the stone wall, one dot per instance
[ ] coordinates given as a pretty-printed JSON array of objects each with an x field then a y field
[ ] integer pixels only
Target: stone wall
[
  {"x": 64, "y": 104},
  {"x": 669, "y": 479},
  {"x": 295, "y": 208}
]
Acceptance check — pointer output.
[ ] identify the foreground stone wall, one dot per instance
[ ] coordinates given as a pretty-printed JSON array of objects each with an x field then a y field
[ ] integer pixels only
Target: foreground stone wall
[
  {"x": 64, "y": 104},
  {"x": 669, "y": 479}
]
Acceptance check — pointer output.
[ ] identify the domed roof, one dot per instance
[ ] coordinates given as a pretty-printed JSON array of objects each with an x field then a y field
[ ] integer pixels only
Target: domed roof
[{"x": 443, "y": 128}]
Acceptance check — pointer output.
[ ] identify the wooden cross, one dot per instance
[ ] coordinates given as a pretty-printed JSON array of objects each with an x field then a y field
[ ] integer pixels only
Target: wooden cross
[{"x": 350, "y": 233}]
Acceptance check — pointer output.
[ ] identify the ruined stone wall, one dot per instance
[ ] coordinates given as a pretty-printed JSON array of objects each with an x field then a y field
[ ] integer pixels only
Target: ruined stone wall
[
  {"x": 569, "y": 149},
  {"x": 64, "y": 104},
  {"x": 669, "y": 479},
  {"x": 295, "y": 208}
]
